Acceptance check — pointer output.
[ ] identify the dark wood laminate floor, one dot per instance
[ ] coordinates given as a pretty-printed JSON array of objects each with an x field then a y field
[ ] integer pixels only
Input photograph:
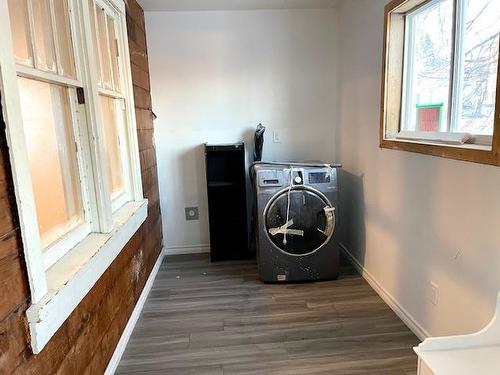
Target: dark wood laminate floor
[{"x": 203, "y": 318}]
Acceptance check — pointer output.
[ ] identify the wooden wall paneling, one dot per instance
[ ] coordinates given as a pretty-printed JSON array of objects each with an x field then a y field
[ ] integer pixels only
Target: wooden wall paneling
[
  {"x": 140, "y": 77},
  {"x": 13, "y": 339},
  {"x": 144, "y": 119},
  {"x": 136, "y": 13},
  {"x": 142, "y": 98},
  {"x": 148, "y": 177},
  {"x": 146, "y": 139},
  {"x": 7, "y": 221},
  {"x": 138, "y": 56},
  {"x": 148, "y": 159}
]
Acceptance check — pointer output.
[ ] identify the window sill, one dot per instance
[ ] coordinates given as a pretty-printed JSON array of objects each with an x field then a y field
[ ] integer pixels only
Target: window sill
[
  {"x": 469, "y": 146},
  {"x": 475, "y": 153},
  {"x": 74, "y": 275}
]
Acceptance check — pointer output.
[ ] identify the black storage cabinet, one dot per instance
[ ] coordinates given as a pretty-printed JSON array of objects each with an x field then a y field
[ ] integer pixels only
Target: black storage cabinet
[{"x": 227, "y": 201}]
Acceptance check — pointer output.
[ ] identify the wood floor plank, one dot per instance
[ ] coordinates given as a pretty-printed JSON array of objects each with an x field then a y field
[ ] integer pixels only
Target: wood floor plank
[
  {"x": 219, "y": 319},
  {"x": 382, "y": 362}
]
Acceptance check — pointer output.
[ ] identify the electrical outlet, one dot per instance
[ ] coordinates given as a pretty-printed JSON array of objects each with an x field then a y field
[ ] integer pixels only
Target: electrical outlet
[
  {"x": 192, "y": 213},
  {"x": 434, "y": 293},
  {"x": 276, "y": 136}
]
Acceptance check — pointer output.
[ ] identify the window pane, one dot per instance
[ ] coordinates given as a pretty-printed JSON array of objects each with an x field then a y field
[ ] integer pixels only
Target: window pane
[
  {"x": 20, "y": 31},
  {"x": 103, "y": 44},
  {"x": 112, "y": 116},
  {"x": 114, "y": 53},
  {"x": 44, "y": 42},
  {"x": 429, "y": 50},
  {"x": 64, "y": 40},
  {"x": 52, "y": 157},
  {"x": 481, "y": 28},
  {"x": 94, "y": 38}
]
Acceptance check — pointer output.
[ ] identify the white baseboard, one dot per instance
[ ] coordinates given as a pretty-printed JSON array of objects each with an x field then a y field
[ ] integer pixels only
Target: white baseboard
[
  {"x": 134, "y": 317},
  {"x": 178, "y": 250},
  {"x": 400, "y": 311}
]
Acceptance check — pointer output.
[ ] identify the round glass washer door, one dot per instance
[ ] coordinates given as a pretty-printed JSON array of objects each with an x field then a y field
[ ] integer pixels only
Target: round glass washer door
[{"x": 310, "y": 221}]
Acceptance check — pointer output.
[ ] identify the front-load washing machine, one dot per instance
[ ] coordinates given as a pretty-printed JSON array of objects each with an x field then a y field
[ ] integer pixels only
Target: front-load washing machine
[{"x": 296, "y": 217}]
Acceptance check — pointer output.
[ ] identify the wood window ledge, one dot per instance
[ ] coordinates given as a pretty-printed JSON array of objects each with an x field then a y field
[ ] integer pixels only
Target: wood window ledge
[
  {"x": 74, "y": 275},
  {"x": 467, "y": 152}
]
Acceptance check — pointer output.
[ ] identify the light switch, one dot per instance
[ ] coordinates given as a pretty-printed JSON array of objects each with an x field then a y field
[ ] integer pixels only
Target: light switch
[{"x": 276, "y": 136}]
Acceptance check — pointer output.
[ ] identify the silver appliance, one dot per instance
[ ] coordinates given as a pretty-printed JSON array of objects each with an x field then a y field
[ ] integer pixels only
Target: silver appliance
[{"x": 297, "y": 210}]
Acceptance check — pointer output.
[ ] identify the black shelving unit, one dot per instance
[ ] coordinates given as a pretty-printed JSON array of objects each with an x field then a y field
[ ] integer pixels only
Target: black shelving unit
[{"x": 227, "y": 202}]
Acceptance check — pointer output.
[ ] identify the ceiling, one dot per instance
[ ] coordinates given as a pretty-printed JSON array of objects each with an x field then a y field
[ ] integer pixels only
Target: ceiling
[{"x": 186, "y": 5}]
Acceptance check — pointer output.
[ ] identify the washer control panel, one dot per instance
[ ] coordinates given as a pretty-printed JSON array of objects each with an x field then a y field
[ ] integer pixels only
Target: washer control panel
[
  {"x": 270, "y": 178},
  {"x": 319, "y": 177},
  {"x": 298, "y": 177}
]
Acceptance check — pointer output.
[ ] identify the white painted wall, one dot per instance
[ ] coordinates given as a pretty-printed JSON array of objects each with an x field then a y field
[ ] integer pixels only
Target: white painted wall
[
  {"x": 216, "y": 75},
  {"x": 189, "y": 5},
  {"x": 412, "y": 219}
]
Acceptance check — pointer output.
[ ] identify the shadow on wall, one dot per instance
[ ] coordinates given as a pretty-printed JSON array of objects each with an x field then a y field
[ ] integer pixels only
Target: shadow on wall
[
  {"x": 248, "y": 137},
  {"x": 352, "y": 234},
  {"x": 194, "y": 158}
]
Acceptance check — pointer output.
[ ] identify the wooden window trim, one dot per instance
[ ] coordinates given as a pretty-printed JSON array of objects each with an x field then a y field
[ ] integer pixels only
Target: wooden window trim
[{"x": 391, "y": 95}]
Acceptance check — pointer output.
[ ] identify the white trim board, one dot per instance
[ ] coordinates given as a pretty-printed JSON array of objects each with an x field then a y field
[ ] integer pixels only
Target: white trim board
[
  {"x": 399, "y": 310},
  {"x": 179, "y": 250},
  {"x": 134, "y": 317}
]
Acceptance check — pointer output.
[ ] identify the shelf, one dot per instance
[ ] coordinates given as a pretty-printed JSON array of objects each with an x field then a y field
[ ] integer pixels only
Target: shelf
[
  {"x": 217, "y": 184},
  {"x": 224, "y": 147},
  {"x": 227, "y": 203}
]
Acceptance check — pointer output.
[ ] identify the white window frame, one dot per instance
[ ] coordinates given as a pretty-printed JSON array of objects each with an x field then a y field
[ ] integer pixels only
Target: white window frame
[
  {"x": 110, "y": 92},
  {"x": 60, "y": 281},
  {"x": 456, "y": 76}
]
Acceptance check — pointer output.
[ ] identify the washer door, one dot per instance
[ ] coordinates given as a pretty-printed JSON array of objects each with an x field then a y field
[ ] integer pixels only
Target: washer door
[{"x": 311, "y": 221}]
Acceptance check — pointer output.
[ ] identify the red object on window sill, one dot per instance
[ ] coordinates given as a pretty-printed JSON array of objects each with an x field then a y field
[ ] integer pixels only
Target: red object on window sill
[{"x": 429, "y": 117}]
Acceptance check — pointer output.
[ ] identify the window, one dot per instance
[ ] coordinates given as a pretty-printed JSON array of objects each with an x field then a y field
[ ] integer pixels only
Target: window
[
  {"x": 54, "y": 166},
  {"x": 427, "y": 69},
  {"x": 68, "y": 104},
  {"x": 111, "y": 97},
  {"x": 47, "y": 84},
  {"x": 440, "y": 78}
]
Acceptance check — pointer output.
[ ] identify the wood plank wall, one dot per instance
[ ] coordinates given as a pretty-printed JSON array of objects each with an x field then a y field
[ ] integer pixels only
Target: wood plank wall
[{"x": 86, "y": 341}]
